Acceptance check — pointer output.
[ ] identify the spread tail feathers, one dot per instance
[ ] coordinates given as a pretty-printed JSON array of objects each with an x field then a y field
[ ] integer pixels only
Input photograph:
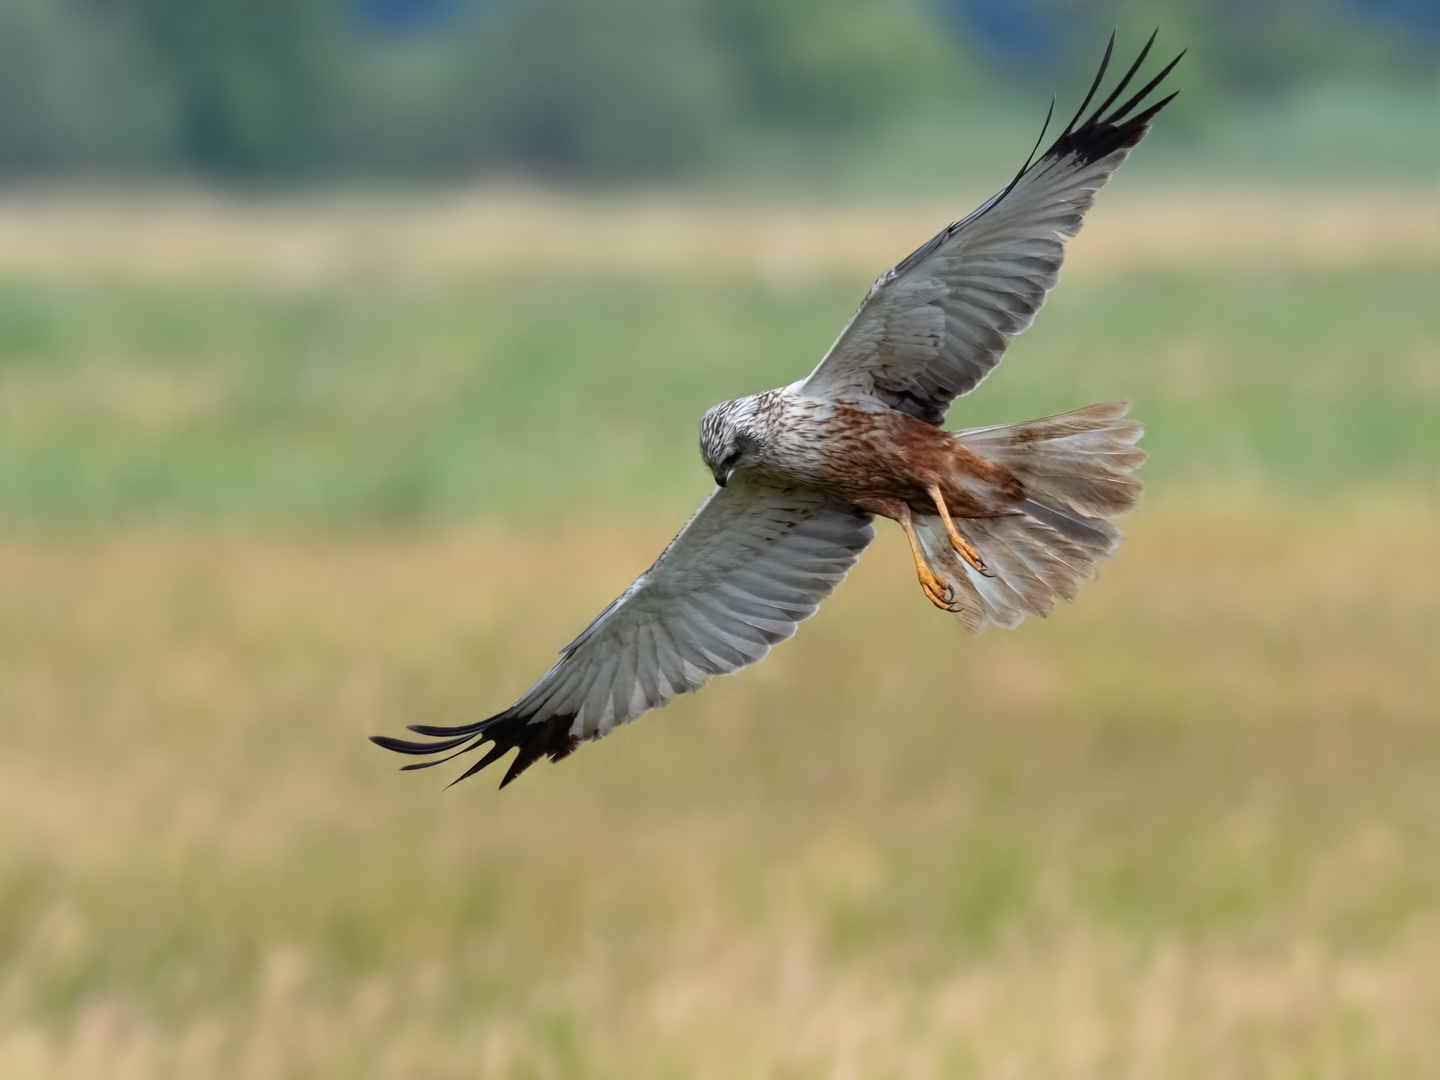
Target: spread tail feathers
[{"x": 1076, "y": 469}]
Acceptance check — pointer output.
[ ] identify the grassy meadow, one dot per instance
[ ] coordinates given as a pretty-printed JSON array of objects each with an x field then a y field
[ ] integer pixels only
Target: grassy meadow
[
  {"x": 274, "y": 478},
  {"x": 281, "y": 372}
]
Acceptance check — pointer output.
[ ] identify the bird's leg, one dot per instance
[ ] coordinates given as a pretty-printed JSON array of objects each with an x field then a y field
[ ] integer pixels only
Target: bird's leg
[
  {"x": 962, "y": 547},
  {"x": 937, "y": 590}
]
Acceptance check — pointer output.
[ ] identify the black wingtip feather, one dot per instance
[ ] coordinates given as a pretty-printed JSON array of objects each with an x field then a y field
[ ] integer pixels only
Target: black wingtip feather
[
  {"x": 1146, "y": 116},
  {"x": 443, "y": 732},
  {"x": 1039, "y": 139},
  {"x": 1020, "y": 175},
  {"x": 506, "y": 731},
  {"x": 1090, "y": 94},
  {"x": 408, "y": 746},
  {"x": 1140, "y": 94},
  {"x": 1100, "y": 135},
  {"x": 1125, "y": 79},
  {"x": 550, "y": 739}
]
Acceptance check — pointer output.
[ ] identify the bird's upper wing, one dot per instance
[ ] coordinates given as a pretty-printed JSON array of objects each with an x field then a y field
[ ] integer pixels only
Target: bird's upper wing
[
  {"x": 934, "y": 326},
  {"x": 754, "y": 561}
]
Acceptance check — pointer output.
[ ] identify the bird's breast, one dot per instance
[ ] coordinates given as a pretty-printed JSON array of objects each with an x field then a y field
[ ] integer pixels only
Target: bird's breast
[
  {"x": 862, "y": 455},
  {"x": 846, "y": 449}
]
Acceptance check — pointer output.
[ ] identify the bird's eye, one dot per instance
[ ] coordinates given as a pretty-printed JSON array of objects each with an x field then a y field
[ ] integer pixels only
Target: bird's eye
[{"x": 732, "y": 460}]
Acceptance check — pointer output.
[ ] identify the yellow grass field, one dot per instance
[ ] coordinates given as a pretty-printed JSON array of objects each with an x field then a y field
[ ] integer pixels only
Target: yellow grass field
[
  {"x": 273, "y": 478},
  {"x": 179, "y": 237},
  {"x": 1185, "y": 829}
]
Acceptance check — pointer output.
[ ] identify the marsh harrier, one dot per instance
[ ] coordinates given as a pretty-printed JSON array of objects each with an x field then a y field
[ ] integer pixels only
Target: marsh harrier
[{"x": 1002, "y": 521}]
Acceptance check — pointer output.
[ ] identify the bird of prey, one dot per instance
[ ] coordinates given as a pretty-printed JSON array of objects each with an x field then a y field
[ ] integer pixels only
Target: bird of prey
[{"x": 1002, "y": 521}]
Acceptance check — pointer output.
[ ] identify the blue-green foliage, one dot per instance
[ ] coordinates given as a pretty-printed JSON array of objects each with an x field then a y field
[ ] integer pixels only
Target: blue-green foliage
[{"x": 613, "y": 89}]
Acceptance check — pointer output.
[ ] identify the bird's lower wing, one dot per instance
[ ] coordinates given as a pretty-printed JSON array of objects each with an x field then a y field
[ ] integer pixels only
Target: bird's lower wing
[{"x": 753, "y": 562}]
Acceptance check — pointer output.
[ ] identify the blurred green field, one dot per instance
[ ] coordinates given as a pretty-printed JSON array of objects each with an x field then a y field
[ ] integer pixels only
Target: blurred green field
[
  {"x": 259, "y": 506},
  {"x": 385, "y": 397}
]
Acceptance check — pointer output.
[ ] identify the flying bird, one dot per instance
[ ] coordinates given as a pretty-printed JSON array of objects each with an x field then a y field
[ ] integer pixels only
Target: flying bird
[{"x": 1002, "y": 521}]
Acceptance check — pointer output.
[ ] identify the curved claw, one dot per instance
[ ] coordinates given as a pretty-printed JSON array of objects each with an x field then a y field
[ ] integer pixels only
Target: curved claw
[
  {"x": 958, "y": 543},
  {"x": 939, "y": 592},
  {"x": 966, "y": 551},
  {"x": 936, "y": 589}
]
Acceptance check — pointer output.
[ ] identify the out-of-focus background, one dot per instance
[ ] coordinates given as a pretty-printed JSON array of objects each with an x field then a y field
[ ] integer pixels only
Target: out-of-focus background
[{"x": 350, "y": 358}]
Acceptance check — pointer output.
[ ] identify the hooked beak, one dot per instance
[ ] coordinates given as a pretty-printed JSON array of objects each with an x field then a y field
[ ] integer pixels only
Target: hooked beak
[{"x": 722, "y": 476}]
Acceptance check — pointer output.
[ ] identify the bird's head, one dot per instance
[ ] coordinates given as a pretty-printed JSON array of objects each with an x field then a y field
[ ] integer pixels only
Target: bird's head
[{"x": 728, "y": 437}]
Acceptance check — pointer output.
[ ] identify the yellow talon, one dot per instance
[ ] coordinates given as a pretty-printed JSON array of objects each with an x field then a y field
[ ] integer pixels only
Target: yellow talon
[
  {"x": 938, "y": 591},
  {"x": 966, "y": 551},
  {"x": 962, "y": 547}
]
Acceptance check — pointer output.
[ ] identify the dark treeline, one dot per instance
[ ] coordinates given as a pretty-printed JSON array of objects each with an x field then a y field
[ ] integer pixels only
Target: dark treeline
[{"x": 274, "y": 89}]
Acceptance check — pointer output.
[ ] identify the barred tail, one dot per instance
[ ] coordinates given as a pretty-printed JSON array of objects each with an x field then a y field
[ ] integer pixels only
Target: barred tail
[{"x": 1076, "y": 469}]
